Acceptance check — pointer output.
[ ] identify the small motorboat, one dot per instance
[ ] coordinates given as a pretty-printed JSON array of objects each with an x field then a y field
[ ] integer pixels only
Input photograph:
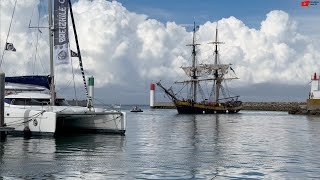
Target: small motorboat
[{"x": 136, "y": 109}]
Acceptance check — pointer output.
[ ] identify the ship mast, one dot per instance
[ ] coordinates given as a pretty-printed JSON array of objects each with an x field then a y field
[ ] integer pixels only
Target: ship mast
[
  {"x": 194, "y": 74},
  {"x": 52, "y": 88},
  {"x": 217, "y": 80}
]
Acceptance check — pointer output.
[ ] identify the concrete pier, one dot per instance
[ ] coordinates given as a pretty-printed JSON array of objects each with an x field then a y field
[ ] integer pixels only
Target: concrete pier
[{"x": 163, "y": 105}]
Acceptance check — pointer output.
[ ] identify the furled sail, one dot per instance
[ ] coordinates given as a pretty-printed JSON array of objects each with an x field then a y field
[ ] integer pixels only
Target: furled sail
[
  {"x": 207, "y": 68},
  {"x": 43, "y": 81}
]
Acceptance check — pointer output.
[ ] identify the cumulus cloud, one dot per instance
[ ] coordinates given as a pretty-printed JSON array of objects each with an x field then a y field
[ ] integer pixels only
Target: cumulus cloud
[
  {"x": 20, "y": 35},
  {"x": 124, "y": 48},
  {"x": 274, "y": 53}
]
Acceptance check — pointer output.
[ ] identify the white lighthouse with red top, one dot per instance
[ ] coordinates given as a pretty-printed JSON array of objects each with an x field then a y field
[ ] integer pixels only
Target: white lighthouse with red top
[
  {"x": 315, "y": 87},
  {"x": 152, "y": 88},
  {"x": 313, "y": 102}
]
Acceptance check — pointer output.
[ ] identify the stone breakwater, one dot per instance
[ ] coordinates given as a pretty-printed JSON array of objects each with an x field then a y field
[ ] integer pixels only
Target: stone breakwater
[
  {"x": 256, "y": 106},
  {"x": 272, "y": 106}
]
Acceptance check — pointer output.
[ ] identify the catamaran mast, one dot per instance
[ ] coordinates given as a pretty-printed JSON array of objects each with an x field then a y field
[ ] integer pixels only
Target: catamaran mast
[{"x": 52, "y": 88}]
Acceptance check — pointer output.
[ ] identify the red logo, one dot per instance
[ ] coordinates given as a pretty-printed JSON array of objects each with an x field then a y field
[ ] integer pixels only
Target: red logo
[{"x": 305, "y": 3}]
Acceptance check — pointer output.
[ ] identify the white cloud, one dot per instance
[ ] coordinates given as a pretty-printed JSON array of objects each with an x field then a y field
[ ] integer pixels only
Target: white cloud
[{"x": 128, "y": 49}]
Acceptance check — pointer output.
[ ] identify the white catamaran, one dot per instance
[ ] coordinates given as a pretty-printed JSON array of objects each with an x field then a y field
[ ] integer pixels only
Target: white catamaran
[{"x": 28, "y": 109}]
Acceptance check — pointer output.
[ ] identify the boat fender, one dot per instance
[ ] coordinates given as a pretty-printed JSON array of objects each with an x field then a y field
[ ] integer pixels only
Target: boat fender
[
  {"x": 35, "y": 122},
  {"x": 27, "y": 132}
]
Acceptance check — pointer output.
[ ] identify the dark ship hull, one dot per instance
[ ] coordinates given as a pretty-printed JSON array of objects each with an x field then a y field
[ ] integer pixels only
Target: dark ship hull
[{"x": 187, "y": 107}]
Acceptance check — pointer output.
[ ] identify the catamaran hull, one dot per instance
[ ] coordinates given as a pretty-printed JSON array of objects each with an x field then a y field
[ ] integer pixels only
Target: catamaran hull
[
  {"x": 42, "y": 122},
  {"x": 189, "y": 108},
  {"x": 30, "y": 122},
  {"x": 102, "y": 122}
]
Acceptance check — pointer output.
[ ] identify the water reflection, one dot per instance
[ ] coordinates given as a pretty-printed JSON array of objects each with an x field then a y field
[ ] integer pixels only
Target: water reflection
[
  {"x": 26, "y": 157},
  {"x": 159, "y": 144},
  {"x": 42, "y": 157},
  {"x": 187, "y": 146},
  {"x": 90, "y": 155},
  {"x": 89, "y": 143},
  {"x": 2, "y": 151}
]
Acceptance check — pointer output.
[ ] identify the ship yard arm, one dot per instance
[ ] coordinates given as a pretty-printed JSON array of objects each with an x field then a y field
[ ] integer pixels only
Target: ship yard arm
[
  {"x": 168, "y": 93},
  {"x": 207, "y": 79}
]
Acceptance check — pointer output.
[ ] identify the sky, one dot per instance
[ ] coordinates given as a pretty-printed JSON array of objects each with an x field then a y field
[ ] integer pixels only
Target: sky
[{"x": 273, "y": 46}]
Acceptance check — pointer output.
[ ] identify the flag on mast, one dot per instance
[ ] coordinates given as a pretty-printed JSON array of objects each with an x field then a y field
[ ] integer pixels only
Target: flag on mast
[
  {"x": 61, "y": 36},
  {"x": 10, "y": 47},
  {"x": 74, "y": 54}
]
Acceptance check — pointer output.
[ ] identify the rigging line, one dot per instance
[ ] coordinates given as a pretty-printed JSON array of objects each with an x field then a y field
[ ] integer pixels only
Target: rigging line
[
  {"x": 41, "y": 62},
  {"x": 190, "y": 92},
  {"x": 101, "y": 102},
  {"x": 223, "y": 91},
  {"x": 212, "y": 91},
  {"x": 201, "y": 91},
  {"x": 69, "y": 81},
  {"x": 14, "y": 8},
  {"x": 22, "y": 120},
  {"x": 37, "y": 43},
  {"x": 45, "y": 70},
  {"x": 74, "y": 84},
  {"x": 227, "y": 88},
  {"x": 207, "y": 91},
  {"x": 60, "y": 89},
  {"x": 78, "y": 49},
  {"x": 233, "y": 93},
  {"x": 32, "y": 14},
  {"x": 182, "y": 88}
]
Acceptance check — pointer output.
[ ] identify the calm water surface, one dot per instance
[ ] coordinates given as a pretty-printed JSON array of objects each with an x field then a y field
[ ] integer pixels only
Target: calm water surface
[{"x": 160, "y": 144}]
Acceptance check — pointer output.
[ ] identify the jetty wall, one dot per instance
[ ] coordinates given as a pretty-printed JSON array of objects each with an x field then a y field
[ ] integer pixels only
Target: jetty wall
[
  {"x": 257, "y": 106},
  {"x": 252, "y": 106},
  {"x": 272, "y": 106}
]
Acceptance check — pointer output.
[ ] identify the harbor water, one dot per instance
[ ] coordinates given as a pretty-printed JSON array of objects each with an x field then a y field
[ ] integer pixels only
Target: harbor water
[{"x": 160, "y": 144}]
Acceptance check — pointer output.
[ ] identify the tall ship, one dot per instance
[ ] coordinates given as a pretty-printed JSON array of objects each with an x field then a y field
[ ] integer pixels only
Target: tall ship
[{"x": 219, "y": 99}]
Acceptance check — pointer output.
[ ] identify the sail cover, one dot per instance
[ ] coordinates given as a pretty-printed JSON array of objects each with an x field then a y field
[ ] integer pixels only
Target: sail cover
[
  {"x": 206, "y": 68},
  {"x": 61, "y": 36},
  {"x": 43, "y": 81}
]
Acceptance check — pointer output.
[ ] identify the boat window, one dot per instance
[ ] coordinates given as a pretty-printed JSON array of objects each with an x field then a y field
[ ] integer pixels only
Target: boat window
[
  {"x": 61, "y": 102},
  {"x": 18, "y": 102},
  {"x": 35, "y": 102},
  {"x": 7, "y": 100},
  {"x": 28, "y": 102}
]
